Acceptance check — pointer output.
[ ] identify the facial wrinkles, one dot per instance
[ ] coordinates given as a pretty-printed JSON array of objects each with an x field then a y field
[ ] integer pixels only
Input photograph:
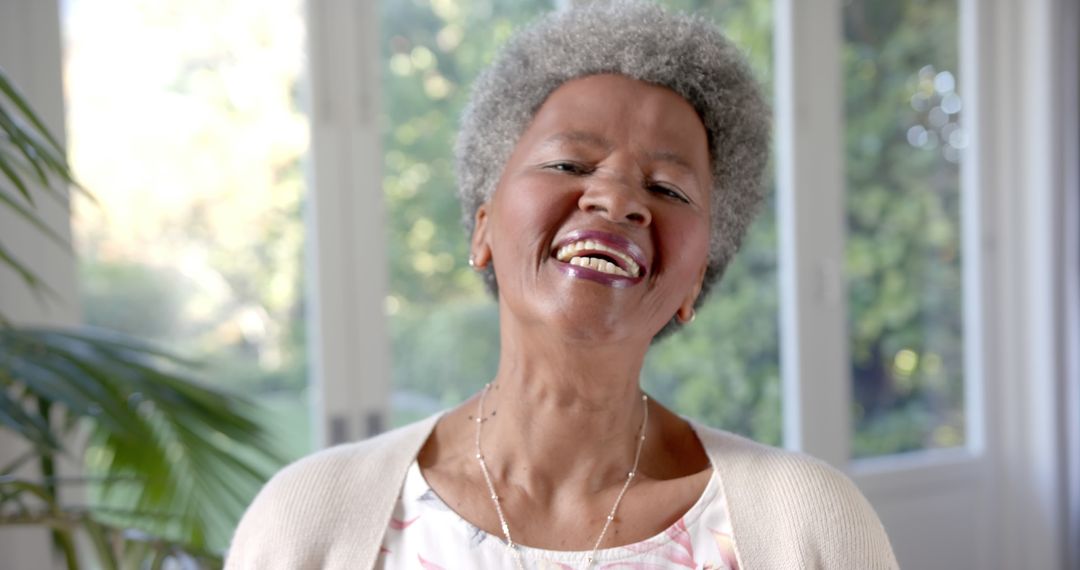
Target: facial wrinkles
[
  {"x": 622, "y": 146},
  {"x": 630, "y": 171},
  {"x": 598, "y": 157},
  {"x": 646, "y": 161}
]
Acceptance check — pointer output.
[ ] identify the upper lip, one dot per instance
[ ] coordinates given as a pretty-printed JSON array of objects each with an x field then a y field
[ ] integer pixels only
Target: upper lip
[{"x": 615, "y": 242}]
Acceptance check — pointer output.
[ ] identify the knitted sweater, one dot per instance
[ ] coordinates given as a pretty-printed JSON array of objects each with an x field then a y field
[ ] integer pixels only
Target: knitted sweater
[{"x": 330, "y": 509}]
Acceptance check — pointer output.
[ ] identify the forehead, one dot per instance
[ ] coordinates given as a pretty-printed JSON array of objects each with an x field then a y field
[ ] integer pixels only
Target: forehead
[{"x": 604, "y": 110}]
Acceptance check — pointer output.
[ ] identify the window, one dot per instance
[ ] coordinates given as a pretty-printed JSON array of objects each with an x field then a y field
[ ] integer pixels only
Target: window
[
  {"x": 184, "y": 120},
  {"x": 903, "y": 145}
]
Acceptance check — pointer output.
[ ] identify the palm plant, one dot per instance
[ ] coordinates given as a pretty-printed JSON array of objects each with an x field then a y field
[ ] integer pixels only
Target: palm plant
[{"x": 170, "y": 462}]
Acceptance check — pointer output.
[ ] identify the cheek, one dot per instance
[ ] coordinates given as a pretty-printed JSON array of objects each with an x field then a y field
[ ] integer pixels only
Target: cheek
[
  {"x": 687, "y": 249},
  {"x": 530, "y": 202},
  {"x": 527, "y": 213}
]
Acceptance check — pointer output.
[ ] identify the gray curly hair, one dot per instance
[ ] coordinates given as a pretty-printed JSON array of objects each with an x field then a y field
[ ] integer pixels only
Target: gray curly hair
[{"x": 682, "y": 52}]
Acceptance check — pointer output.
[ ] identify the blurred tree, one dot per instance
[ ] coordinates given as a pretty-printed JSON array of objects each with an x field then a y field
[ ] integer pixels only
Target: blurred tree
[{"x": 903, "y": 259}]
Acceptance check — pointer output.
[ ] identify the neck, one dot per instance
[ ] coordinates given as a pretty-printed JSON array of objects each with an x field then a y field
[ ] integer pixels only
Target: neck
[{"x": 568, "y": 414}]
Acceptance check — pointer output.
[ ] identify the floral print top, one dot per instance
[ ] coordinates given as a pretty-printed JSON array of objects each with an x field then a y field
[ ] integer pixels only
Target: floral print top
[{"x": 425, "y": 533}]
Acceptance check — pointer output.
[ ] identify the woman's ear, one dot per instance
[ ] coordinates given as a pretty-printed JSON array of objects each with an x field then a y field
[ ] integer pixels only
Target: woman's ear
[
  {"x": 686, "y": 314},
  {"x": 479, "y": 248}
]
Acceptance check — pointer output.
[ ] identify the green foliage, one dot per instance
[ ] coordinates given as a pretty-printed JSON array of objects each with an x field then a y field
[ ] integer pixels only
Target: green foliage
[
  {"x": 903, "y": 256},
  {"x": 115, "y": 548},
  {"x": 444, "y": 347},
  {"x": 434, "y": 52},
  {"x": 161, "y": 447}
]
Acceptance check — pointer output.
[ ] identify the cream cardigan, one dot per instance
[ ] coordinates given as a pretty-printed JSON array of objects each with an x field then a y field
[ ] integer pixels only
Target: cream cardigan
[{"x": 329, "y": 510}]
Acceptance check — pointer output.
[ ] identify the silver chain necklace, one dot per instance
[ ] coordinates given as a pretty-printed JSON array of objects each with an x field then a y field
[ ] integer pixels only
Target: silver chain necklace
[{"x": 510, "y": 546}]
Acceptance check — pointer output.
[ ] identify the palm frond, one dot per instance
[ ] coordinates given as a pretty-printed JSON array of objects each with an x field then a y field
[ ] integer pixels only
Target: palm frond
[
  {"x": 12, "y": 94},
  {"x": 25, "y": 130},
  {"x": 166, "y": 443},
  {"x": 30, "y": 216},
  {"x": 24, "y": 502}
]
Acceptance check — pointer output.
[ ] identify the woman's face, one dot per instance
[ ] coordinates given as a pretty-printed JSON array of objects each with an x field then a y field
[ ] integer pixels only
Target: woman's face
[{"x": 599, "y": 226}]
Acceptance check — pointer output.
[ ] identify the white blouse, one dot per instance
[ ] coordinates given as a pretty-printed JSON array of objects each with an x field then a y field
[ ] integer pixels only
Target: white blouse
[{"x": 425, "y": 533}]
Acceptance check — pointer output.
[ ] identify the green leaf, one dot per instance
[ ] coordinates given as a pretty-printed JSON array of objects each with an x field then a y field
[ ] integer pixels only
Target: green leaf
[
  {"x": 102, "y": 339},
  {"x": 13, "y": 486},
  {"x": 34, "y": 428},
  {"x": 135, "y": 552},
  {"x": 7, "y": 87},
  {"x": 18, "y": 462},
  {"x": 24, "y": 142},
  {"x": 30, "y": 173},
  {"x": 99, "y": 537},
  {"x": 64, "y": 384},
  {"x": 14, "y": 177},
  {"x": 39, "y": 288},
  {"x": 170, "y": 444},
  {"x": 159, "y": 558},
  {"x": 35, "y": 220},
  {"x": 41, "y": 150}
]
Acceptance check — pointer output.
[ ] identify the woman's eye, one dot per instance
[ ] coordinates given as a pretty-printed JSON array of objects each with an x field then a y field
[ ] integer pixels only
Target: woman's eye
[
  {"x": 669, "y": 192},
  {"x": 568, "y": 167}
]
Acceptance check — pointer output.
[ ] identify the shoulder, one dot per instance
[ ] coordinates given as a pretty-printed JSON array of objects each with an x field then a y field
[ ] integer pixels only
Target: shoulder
[
  {"x": 342, "y": 465},
  {"x": 735, "y": 455},
  {"x": 779, "y": 498},
  {"x": 300, "y": 517}
]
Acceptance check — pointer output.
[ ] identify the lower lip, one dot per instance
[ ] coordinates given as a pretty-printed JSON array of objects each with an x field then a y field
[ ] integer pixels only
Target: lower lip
[{"x": 579, "y": 272}]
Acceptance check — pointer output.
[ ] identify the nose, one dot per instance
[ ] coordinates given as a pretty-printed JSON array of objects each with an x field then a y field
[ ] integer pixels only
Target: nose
[{"x": 617, "y": 199}]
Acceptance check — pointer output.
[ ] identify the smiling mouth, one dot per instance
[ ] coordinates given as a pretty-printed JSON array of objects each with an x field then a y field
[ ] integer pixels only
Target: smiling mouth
[{"x": 600, "y": 255}]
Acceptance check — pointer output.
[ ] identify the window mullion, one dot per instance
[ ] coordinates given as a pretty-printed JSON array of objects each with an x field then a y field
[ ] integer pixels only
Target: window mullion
[
  {"x": 346, "y": 253},
  {"x": 810, "y": 186}
]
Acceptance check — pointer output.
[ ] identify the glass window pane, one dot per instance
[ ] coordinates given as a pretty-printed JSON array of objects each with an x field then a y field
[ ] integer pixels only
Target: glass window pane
[
  {"x": 724, "y": 370},
  {"x": 904, "y": 143},
  {"x": 183, "y": 119}
]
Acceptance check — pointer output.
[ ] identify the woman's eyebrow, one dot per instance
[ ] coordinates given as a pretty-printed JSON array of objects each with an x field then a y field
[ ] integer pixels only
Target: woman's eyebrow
[
  {"x": 594, "y": 140},
  {"x": 672, "y": 157},
  {"x": 578, "y": 137}
]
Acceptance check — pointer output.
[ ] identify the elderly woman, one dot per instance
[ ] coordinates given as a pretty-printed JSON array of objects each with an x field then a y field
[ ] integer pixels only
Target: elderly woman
[{"x": 609, "y": 165}]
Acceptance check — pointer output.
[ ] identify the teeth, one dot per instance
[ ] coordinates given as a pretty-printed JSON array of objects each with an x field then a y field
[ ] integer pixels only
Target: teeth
[
  {"x": 598, "y": 265},
  {"x": 568, "y": 253}
]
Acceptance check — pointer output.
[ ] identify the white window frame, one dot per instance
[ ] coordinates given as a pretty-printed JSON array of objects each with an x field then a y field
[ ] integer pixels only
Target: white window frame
[
  {"x": 348, "y": 269},
  {"x": 811, "y": 217}
]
